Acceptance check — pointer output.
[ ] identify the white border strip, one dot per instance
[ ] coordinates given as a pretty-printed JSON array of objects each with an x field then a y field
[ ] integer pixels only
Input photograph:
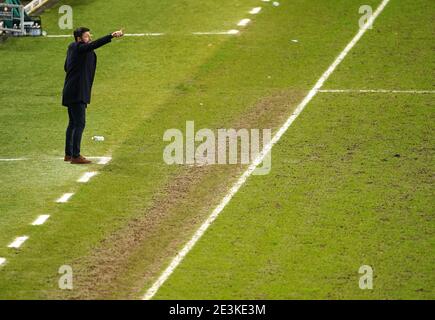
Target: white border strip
[
  {"x": 65, "y": 197},
  {"x": 258, "y": 160},
  {"x": 377, "y": 91},
  {"x": 40, "y": 220},
  {"x": 18, "y": 242}
]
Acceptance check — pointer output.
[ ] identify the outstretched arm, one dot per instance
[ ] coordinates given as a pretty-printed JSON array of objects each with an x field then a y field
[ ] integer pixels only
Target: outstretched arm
[{"x": 86, "y": 47}]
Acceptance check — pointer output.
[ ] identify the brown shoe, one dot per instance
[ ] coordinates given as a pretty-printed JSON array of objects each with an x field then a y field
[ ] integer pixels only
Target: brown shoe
[
  {"x": 80, "y": 160},
  {"x": 67, "y": 158}
]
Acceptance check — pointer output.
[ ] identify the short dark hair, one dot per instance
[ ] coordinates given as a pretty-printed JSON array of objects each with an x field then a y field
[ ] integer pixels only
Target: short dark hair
[{"x": 79, "y": 32}]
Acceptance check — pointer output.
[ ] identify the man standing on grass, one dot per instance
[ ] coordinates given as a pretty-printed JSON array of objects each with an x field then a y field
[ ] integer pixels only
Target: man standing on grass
[{"x": 80, "y": 65}]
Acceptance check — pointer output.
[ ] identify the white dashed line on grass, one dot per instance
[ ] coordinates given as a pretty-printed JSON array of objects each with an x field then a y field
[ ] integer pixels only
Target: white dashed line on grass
[
  {"x": 87, "y": 176},
  {"x": 40, "y": 220},
  {"x": 65, "y": 197},
  {"x": 244, "y": 22},
  {"x": 255, "y": 10},
  {"x": 259, "y": 159},
  {"x": 104, "y": 160},
  {"x": 18, "y": 242}
]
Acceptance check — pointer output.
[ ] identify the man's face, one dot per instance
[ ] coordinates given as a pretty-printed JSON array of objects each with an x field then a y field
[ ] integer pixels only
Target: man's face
[{"x": 86, "y": 37}]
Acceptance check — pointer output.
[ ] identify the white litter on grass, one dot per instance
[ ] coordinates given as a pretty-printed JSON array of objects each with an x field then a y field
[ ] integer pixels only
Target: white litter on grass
[
  {"x": 259, "y": 159},
  {"x": 87, "y": 176},
  {"x": 2, "y": 261},
  {"x": 255, "y": 10},
  {"x": 294, "y": 40},
  {"x": 65, "y": 197},
  {"x": 98, "y": 138},
  {"x": 275, "y": 4},
  {"x": 40, "y": 220},
  {"x": 18, "y": 242},
  {"x": 243, "y": 22},
  {"x": 377, "y": 91}
]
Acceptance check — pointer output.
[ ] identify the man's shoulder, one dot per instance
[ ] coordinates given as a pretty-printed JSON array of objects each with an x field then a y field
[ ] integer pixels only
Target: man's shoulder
[{"x": 72, "y": 46}]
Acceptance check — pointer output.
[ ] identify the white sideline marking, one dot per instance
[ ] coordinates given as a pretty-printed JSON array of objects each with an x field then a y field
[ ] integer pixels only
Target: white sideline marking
[
  {"x": 377, "y": 91},
  {"x": 87, "y": 176},
  {"x": 229, "y": 32},
  {"x": 59, "y": 35},
  {"x": 2, "y": 261},
  {"x": 65, "y": 197},
  {"x": 198, "y": 234},
  {"x": 255, "y": 10},
  {"x": 18, "y": 242},
  {"x": 150, "y": 34},
  {"x": 12, "y": 159},
  {"x": 243, "y": 22},
  {"x": 40, "y": 220},
  {"x": 155, "y": 34}
]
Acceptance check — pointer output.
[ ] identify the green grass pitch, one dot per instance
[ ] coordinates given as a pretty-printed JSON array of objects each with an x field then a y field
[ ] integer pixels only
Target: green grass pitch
[{"x": 351, "y": 181}]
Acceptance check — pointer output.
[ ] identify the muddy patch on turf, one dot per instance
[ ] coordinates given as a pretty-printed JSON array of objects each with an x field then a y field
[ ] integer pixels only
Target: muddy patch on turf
[{"x": 129, "y": 260}]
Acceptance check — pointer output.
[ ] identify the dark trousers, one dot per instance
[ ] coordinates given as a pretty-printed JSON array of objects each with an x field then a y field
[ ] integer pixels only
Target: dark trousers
[{"x": 74, "y": 132}]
